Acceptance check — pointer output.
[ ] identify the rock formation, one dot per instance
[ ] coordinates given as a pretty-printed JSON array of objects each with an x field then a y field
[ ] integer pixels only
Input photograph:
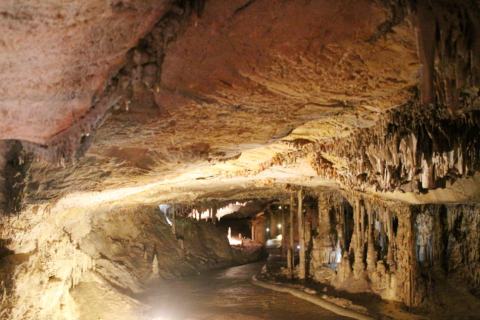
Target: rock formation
[
  {"x": 368, "y": 109},
  {"x": 111, "y": 250},
  {"x": 400, "y": 252}
]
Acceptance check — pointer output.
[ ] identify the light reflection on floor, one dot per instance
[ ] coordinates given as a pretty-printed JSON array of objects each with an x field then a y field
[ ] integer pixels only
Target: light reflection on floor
[{"x": 227, "y": 294}]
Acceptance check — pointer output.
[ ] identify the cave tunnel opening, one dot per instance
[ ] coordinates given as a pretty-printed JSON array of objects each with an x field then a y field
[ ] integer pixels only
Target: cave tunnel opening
[{"x": 242, "y": 159}]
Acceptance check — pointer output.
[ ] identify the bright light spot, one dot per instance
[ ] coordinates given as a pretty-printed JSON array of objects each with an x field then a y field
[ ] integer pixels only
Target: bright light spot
[
  {"x": 166, "y": 316},
  {"x": 221, "y": 212},
  {"x": 164, "y": 210},
  {"x": 268, "y": 229},
  {"x": 233, "y": 241},
  {"x": 338, "y": 256},
  {"x": 230, "y": 208},
  {"x": 279, "y": 207},
  {"x": 280, "y": 237},
  {"x": 338, "y": 253},
  {"x": 298, "y": 247},
  {"x": 279, "y": 226}
]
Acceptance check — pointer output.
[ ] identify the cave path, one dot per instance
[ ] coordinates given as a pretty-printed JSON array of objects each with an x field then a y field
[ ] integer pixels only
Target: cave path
[{"x": 227, "y": 294}]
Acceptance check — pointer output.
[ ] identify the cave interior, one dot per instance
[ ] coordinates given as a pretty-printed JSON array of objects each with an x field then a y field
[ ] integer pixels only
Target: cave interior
[{"x": 165, "y": 159}]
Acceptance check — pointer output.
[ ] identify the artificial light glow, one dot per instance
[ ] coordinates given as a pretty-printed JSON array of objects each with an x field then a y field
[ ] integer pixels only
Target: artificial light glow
[
  {"x": 230, "y": 208},
  {"x": 170, "y": 223},
  {"x": 166, "y": 316},
  {"x": 279, "y": 207},
  {"x": 164, "y": 210},
  {"x": 233, "y": 241},
  {"x": 279, "y": 226},
  {"x": 338, "y": 256},
  {"x": 298, "y": 247},
  {"x": 268, "y": 229},
  {"x": 221, "y": 212}
]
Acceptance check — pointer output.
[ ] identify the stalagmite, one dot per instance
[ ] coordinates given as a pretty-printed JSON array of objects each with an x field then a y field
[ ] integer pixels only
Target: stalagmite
[
  {"x": 301, "y": 237},
  {"x": 391, "y": 242},
  {"x": 371, "y": 252},
  {"x": 290, "y": 252},
  {"x": 155, "y": 269},
  {"x": 174, "y": 220},
  {"x": 325, "y": 244},
  {"x": 283, "y": 229},
  {"x": 358, "y": 266}
]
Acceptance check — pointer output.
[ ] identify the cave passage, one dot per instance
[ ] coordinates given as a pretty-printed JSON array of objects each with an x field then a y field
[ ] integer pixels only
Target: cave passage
[
  {"x": 227, "y": 294},
  {"x": 155, "y": 155}
]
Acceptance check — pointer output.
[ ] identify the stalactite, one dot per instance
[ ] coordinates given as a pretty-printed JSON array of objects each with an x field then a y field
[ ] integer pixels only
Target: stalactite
[
  {"x": 408, "y": 150},
  {"x": 214, "y": 213}
]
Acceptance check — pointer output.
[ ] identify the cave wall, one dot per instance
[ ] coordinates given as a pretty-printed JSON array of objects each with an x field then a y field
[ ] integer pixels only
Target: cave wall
[
  {"x": 3, "y": 162},
  {"x": 447, "y": 243},
  {"x": 58, "y": 260},
  {"x": 259, "y": 225},
  {"x": 400, "y": 252}
]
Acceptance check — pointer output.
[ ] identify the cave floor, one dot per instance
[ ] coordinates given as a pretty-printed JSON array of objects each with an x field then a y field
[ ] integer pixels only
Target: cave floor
[{"x": 226, "y": 294}]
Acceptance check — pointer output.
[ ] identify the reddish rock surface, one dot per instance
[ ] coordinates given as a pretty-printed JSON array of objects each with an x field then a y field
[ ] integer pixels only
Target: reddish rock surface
[{"x": 56, "y": 58}]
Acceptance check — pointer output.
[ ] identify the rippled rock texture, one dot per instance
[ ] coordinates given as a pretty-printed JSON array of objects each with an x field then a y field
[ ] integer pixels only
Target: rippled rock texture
[{"x": 58, "y": 264}]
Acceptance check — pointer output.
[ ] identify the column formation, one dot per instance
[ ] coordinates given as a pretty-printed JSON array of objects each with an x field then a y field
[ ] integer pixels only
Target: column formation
[
  {"x": 301, "y": 237},
  {"x": 290, "y": 251},
  {"x": 357, "y": 239}
]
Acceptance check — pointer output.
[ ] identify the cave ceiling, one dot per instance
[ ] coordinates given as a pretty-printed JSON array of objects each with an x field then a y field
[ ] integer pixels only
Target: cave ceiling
[{"x": 149, "y": 101}]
